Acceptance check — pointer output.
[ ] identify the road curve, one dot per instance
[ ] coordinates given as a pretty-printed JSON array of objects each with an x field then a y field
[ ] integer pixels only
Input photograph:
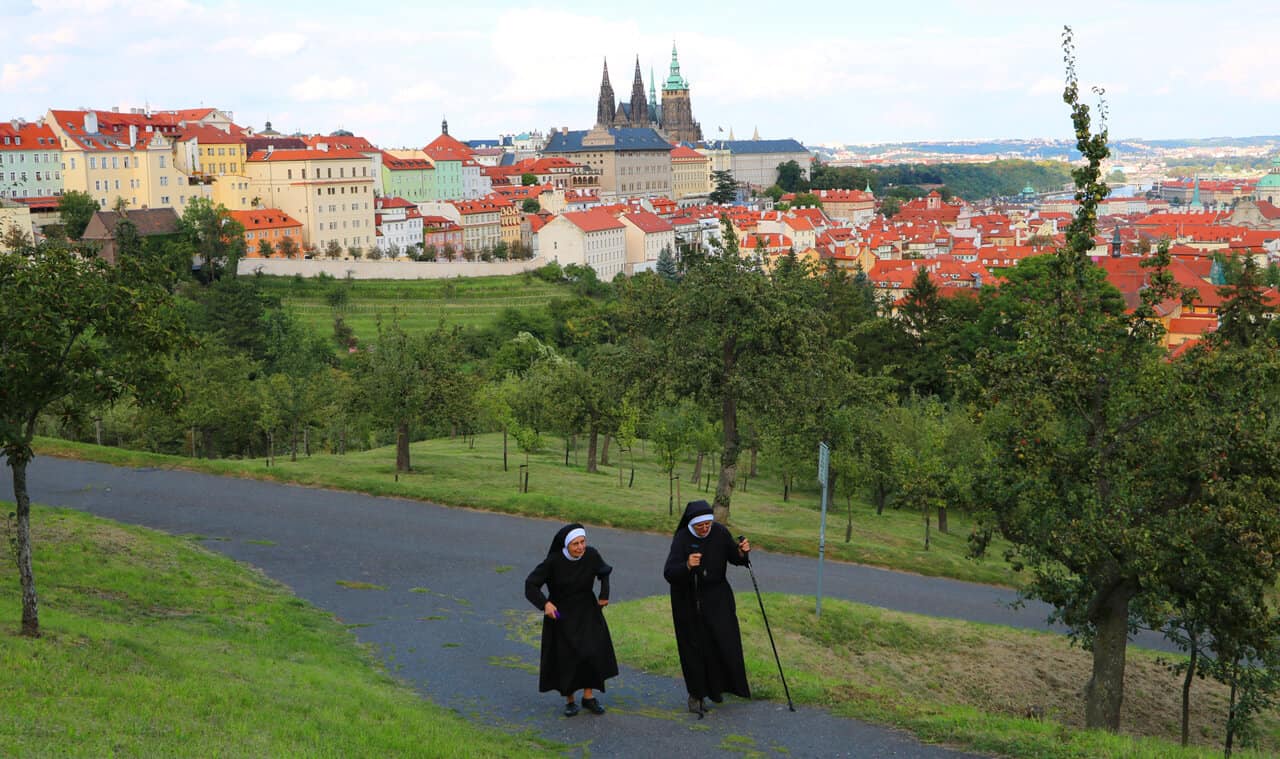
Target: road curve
[{"x": 451, "y": 642}]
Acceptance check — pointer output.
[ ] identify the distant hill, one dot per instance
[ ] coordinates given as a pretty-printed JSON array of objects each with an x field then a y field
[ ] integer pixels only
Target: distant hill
[{"x": 1042, "y": 149}]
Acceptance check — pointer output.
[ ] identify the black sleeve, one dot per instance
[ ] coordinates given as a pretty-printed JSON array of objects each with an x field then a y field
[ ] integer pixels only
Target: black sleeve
[
  {"x": 533, "y": 585},
  {"x": 603, "y": 571},
  {"x": 732, "y": 552},
  {"x": 676, "y": 570}
]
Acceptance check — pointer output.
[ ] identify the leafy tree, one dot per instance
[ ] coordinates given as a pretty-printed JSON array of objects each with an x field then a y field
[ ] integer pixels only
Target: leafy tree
[
  {"x": 449, "y": 252},
  {"x": 791, "y": 177},
  {"x": 528, "y": 179},
  {"x": 76, "y": 210},
  {"x": 807, "y": 199},
  {"x": 723, "y": 336},
  {"x": 333, "y": 250},
  {"x": 530, "y": 205},
  {"x": 80, "y": 332},
  {"x": 429, "y": 252},
  {"x": 216, "y": 237},
  {"x": 725, "y": 187},
  {"x": 889, "y": 207},
  {"x": 264, "y": 248},
  {"x": 1242, "y": 319},
  {"x": 411, "y": 379},
  {"x": 1086, "y": 465},
  {"x": 287, "y": 247}
]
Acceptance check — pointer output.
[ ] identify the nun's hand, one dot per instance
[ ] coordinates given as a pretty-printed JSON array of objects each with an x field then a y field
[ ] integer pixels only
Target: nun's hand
[
  {"x": 745, "y": 546},
  {"x": 550, "y": 610},
  {"x": 695, "y": 559},
  {"x": 603, "y": 602}
]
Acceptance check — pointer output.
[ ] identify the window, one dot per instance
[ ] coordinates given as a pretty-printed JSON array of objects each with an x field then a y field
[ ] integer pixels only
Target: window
[
  {"x": 290, "y": 174},
  {"x": 162, "y": 162},
  {"x": 115, "y": 162},
  {"x": 93, "y": 162},
  {"x": 164, "y": 200},
  {"x": 164, "y": 181}
]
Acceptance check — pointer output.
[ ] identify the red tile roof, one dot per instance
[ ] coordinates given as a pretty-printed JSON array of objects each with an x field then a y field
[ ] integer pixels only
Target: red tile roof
[
  {"x": 306, "y": 155},
  {"x": 595, "y": 220},
  {"x": 648, "y": 223},
  {"x": 27, "y": 136},
  {"x": 265, "y": 218}
]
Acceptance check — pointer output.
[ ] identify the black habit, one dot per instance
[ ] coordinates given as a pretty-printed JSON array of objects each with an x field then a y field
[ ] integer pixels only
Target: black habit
[
  {"x": 703, "y": 609},
  {"x": 577, "y": 651}
]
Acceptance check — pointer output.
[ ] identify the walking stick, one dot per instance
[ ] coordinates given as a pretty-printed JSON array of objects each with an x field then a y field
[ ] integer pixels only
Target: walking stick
[{"x": 785, "y": 689}]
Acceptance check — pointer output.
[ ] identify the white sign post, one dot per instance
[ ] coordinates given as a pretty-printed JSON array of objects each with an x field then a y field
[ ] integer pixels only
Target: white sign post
[{"x": 824, "y": 464}]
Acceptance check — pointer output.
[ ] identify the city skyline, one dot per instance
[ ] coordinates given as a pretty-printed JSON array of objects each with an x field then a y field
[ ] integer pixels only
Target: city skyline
[{"x": 946, "y": 71}]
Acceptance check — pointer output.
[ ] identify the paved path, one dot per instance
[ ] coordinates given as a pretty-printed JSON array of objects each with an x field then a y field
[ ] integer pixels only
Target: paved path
[{"x": 452, "y": 643}]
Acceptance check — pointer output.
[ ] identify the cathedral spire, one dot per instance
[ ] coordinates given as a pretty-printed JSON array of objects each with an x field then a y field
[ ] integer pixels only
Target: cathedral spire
[
  {"x": 639, "y": 105},
  {"x": 674, "y": 80},
  {"x": 605, "y": 106},
  {"x": 655, "y": 114}
]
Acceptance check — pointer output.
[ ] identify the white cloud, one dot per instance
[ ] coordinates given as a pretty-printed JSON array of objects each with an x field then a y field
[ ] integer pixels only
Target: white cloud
[
  {"x": 418, "y": 93},
  {"x": 273, "y": 45},
  {"x": 28, "y": 69},
  {"x": 324, "y": 88},
  {"x": 63, "y": 35}
]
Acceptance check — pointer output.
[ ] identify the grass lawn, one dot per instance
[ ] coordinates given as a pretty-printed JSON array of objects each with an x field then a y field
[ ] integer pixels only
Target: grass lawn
[
  {"x": 418, "y": 304},
  {"x": 453, "y": 472},
  {"x": 154, "y": 646},
  {"x": 949, "y": 682}
]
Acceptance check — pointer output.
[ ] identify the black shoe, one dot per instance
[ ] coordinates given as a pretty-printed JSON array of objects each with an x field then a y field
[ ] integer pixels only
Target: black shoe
[
  {"x": 571, "y": 708},
  {"x": 695, "y": 706},
  {"x": 718, "y": 698},
  {"x": 593, "y": 706}
]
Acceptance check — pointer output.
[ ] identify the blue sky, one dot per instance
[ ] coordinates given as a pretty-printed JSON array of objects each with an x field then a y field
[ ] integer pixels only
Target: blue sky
[{"x": 819, "y": 72}]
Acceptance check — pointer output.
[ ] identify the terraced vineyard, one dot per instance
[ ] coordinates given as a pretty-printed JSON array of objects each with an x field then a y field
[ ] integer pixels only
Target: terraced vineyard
[{"x": 417, "y": 304}]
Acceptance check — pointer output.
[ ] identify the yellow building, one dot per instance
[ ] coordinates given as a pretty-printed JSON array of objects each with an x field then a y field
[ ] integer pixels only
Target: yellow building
[
  {"x": 690, "y": 172},
  {"x": 216, "y": 155},
  {"x": 329, "y": 191},
  {"x": 129, "y": 156}
]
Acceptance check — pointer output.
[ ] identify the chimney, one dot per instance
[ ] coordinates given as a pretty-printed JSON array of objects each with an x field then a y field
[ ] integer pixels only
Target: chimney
[{"x": 133, "y": 135}]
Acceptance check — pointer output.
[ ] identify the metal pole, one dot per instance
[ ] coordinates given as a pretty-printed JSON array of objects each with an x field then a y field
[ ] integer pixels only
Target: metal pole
[
  {"x": 822, "y": 545},
  {"x": 824, "y": 466}
]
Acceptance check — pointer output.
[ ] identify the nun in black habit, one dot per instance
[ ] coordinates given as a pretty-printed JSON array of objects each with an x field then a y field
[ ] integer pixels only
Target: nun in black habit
[
  {"x": 702, "y": 607},
  {"x": 577, "y": 652}
]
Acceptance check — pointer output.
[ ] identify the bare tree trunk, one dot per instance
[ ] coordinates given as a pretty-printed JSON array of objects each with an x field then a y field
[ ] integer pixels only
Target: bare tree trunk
[
  {"x": 592, "y": 441},
  {"x": 504, "y": 449},
  {"x": 306, "y": 440},
  {"x": 754, "y": 451},
  {"x": 566, "y": 450},
  {"x": 942, "y": 519},
  {"x": 786, "y": 487},
  {"x": 1104, "y": 693},
  {"x": 848, "y": 526},
  {"x": 697, "y": 468},
  {"x": 728, "y": 460},
  {"x": 293, "y": 443},
  {"x": 604, "y": 450},
  {"x": 97, "y": 430},
  {"x": 402, "y": 447},
  {"x": 1231, "y": 722},
  {"x": 27, "y": 578},
  {"x": 1186, "y": 687}
]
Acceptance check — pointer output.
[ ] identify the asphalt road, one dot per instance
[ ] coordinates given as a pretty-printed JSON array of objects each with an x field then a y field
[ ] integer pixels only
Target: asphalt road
[{"x": 453, "y": 644}]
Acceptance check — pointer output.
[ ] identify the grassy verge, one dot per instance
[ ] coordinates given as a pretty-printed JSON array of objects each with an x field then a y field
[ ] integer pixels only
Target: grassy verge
[
  {"x": 454, "y": 473},
  {"x": 154, "y": 646},
  {"x": 948, "y": 682}
]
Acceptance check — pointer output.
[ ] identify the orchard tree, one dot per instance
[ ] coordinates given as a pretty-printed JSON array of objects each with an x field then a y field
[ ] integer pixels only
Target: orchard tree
[
  {"x": 411, "y": 379},
  {"x": 1086, "y": 467},
  {"x": 76, "y": 331},
  {"x": 215, "y": 236},
  {"x": 76, "y": 210}
]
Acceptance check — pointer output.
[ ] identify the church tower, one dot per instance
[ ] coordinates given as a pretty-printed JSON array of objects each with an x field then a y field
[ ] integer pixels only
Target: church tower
[
  {"x": 604, "y": 107},
  {"x": 677, "y": 113},
  {"x": 639, "y": 116},
  {"x": 655, "y": 110}
]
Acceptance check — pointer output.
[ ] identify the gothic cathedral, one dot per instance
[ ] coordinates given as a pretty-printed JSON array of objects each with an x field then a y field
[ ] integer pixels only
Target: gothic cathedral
[{"x": 674, "y": 117}]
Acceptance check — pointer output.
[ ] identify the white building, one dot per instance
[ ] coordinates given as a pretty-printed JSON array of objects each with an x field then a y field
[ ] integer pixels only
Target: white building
[
  {"x": 399, "y": 223},
  {"x": 588, "y": 238}
]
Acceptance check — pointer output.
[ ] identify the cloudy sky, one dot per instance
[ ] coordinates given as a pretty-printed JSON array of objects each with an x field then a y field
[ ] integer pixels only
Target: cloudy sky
[{"x": 822, "y": 72}]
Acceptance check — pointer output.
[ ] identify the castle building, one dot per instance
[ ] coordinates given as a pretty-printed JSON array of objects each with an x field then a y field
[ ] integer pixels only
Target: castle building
[{"x": 673, "y": 117}]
